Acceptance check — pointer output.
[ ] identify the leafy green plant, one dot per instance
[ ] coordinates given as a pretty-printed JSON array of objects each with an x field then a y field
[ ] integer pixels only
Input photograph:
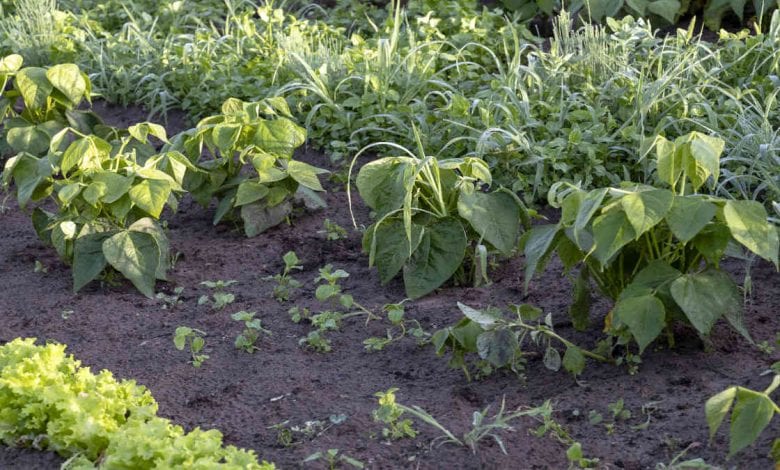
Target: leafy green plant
[
  {"x": 220, "y": 298},
  {"x": 333, "y": 231},
  {"x": 655, "y": 252},
  {"x": 286, "y": 284},
  {"x": 431, "y": 214},
  {"x": 389, "y": 413},
  {"x": 751, "y": 412},
  {"x": 399, "y": 327},
  {"x": 247, "y": 340},
  {"x": 501, "y": 343},
  {"x": 262, "y": 135},
  {"x": 172, "y": 300},
  {"x": 95, "y": 420},
  {"x": 185, "y": 335},
  {"x": 332, "y": 458}
]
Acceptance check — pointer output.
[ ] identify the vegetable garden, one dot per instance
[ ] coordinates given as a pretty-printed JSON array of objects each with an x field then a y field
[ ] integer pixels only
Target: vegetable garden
[{"x": 428, "y": 234}]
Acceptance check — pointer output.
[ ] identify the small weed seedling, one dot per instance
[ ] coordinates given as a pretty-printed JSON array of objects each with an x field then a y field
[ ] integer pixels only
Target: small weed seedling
[
  {"x": 333, "y": 457},
  {"x": 40, "y": 267},
  {"x": 219, "y": 299},
  {"x": 389, "y": 413},
  {"x": 398, "y": 329},
  {"x": 618, "y": 411},
  {"x": 194, "y": 337},
  {"x": 252, "y": 329},
  {"x": 285, "y": 284},
  {"x": 329, "y": 292},
  {"x": 290, "y": 435},
  {"x": 171, "y": 301},
  {"x": 332, "y": 231}
]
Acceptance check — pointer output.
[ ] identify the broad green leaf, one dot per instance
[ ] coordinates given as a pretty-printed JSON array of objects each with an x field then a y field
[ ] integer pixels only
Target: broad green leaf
[
  {"x": 258, "y": 217},
  {"x": 597, "y": 10},
  {"x": 574, "y": 360},
  {"x": 388, "y": 247},
  {"x": 484, "y": 319},
  {"x": 74, "y": 154},
  {"x": 590, "y": 204},
  {"x": 28, "y": 174},
  {"x": 88, "y": 258},
  {"x": 498, "y": 347},
  {"x": 611, "y": 232},
  {"x": 279, "y": 136},
  {"x": 537, "y": 244},
  {"x": 34, "y": 87},
  {"x": 250, "y": 191},
  {"x": 703, "y": 158},
  {"x": 437, "y": 257},
  {"x": 94, "y": 193},
  {"x": 747, "y": 221},
  {"x": 717, "y": 407},
  {"x": 650, "y": 278},
  {"x": 644, "y": 316},
  {"x": 688, "y": 216},
  {"x": 136, "y": 255},
  {"x": 305, "y": 174},
  {"x": 225, "y": 136},
  {"x": 669, "y": 161},
  {"x": 30, "y": 139},
  {"x": 644, "y": 209},
  {"x": 68, "y": 79},
  {"x": 149, "y": 226},
  {"x": 752, "y": 413},
  {"x": 705, "y": 297},
  {"x": 712, "y": 242},
  {"x": 67, "y": 193},
  {"x": 150, "y": 195},
  {"x": 666, "y": 9},
  {"x": 142, "y": 131},
  {"x": 495, "y": 216},
  {"x": 11, "y": 63},
  {"x": 116, "y": 185},
  {"x": 381, "y": 183}
]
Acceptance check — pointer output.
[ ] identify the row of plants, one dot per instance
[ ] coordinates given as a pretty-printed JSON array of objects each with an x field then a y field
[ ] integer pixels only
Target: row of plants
[
  {"x": 111, "y": 186},
  {"x": 50, "y": 402},
  {"x": 471, "y": 82}
]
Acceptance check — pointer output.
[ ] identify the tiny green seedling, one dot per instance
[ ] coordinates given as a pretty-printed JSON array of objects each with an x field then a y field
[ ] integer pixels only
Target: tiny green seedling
[
  {"x": 171, "y": 301},
  {"x": 220, "y": 298},
  {"x": 286, "y": 285},
  {"x": 389, "y": 413},
  {"x": 332, "y": 231},
  {"x": 194, "y": 337},
  {"x": 333, "y": 457},
  {"x": 252, "y": 329},
  {"x": 40, "y": 267},
  {"x": 399, "y": 327}
]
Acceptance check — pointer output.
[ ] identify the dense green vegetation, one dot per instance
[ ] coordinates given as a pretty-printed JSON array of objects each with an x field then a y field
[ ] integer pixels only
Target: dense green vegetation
[{"x": 660, "y": 153}]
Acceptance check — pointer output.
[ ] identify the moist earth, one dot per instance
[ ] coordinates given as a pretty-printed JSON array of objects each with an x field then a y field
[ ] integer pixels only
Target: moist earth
[{"x": 246, "y": 395}]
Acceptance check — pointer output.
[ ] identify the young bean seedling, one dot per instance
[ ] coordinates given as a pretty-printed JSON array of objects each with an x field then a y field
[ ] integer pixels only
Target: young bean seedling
[
  {"x": 399, "y": 327},
  {"x": 285, "y": 284},
  {"x": 252, "y": 329},
  {"x": 332, "y": 231},
  {"x": 171, "y": 301},
  {"x": 220, "y": 298},
  {"x": 332, "y": 457},
  {"x": 194, "y": 337}
]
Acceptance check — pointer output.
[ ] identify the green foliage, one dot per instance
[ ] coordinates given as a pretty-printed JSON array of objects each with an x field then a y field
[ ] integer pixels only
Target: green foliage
[
  {"x": 430, "y": 213},
  {"x": 333, "y": 457},
  {"x": 333, "y": 231},
  {"x": 389, "y": 413},
  {"x": 247, "y": 340},
  {"x": 220, "y": 298},
  {"x": 286, "y": 285},
  {"x": 751, "y": 413},
  {"x": 501, "y": 343},
  {"x": 185, "y": 335},
  {"x": 644, "y": 247},
  {"x": 263, "y": 136},
  {"x": 49, "y": 401}
]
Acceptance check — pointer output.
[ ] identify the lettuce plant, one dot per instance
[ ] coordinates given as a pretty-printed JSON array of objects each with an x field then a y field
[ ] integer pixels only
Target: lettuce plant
[
  {"x": 656, "y": 251},
  {"x": 263, "y": 135},
  {"x": 431, "y": 214},
  {"x": 49, "y": 401}
]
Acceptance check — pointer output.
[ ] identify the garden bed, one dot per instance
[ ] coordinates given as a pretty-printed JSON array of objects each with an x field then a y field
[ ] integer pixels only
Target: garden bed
[{"x": 246, "y": 395}]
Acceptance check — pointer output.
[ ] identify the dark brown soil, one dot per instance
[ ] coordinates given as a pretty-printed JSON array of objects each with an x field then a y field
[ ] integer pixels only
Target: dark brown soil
[{"x": 115, "y": 328}]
